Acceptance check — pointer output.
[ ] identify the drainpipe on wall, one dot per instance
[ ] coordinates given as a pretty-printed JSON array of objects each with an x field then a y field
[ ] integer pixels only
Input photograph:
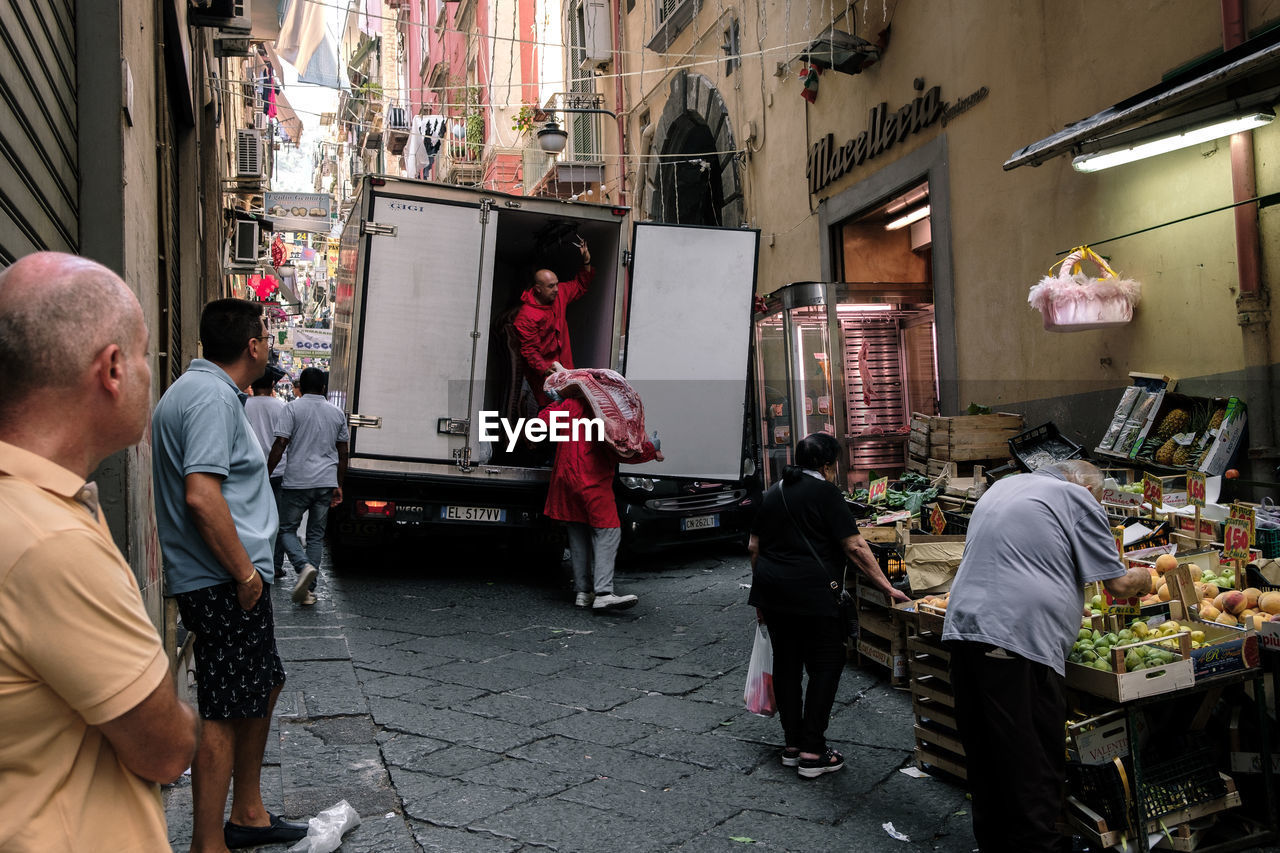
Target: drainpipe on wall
[
  {"x": 1252, "y": 303},
  {"x": 617, "y": 103}
]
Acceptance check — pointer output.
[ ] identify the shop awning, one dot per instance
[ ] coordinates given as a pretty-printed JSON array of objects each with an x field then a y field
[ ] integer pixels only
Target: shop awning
[{"x": 1230, "y": 76}]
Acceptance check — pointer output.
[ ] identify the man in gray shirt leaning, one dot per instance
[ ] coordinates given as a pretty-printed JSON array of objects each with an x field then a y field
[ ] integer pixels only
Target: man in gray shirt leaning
[
  {"x": 1034, "y": 541},
  {"x": 316, "y": 434}
]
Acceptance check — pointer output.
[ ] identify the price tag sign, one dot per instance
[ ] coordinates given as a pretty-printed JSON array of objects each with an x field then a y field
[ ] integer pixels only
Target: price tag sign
[
  {"x": 1121, "y": 606},
  {"x": 1195, "y": 488},
  {"x": 937, "y": 521},
  {"x": 1118, "y": 533},
  {"x": 1235, "y": 539},
  {"x": 875, "y": 492},
  {"x": 1247, "y": 515},
  {"x": 1152, "y": 490}
]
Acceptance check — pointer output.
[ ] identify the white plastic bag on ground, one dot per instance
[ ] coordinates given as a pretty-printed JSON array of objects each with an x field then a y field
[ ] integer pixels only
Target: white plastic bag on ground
[{"x": 325, "y": 830}]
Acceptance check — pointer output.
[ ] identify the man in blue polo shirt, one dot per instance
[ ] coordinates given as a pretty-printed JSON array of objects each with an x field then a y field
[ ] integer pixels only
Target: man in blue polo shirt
[
  {"x": 1034, "y": 541},
  {"x": 216, "y": 519},
  {"x": 316, "y": 435}
]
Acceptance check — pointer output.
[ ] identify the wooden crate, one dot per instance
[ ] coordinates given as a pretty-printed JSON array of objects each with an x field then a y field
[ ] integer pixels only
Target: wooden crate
[
  {"x": 938, "y": 746},
  {"x": 939, "y": 749},
  {"x": 964, "y": 438},
  {"x": 881, "y": 641},
  {"x": 953, "y": 469},
  {"x": 1093, "y": 826}
]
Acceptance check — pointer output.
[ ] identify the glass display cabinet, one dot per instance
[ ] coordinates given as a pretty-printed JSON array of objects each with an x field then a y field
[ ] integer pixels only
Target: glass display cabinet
[{"x": 850, "y": 359}]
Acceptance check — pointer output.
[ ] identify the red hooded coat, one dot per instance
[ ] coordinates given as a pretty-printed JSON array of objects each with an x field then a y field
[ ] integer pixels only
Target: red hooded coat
[
  {"x": 543, "y": 332},
  {"x": 582, "y": 476}
]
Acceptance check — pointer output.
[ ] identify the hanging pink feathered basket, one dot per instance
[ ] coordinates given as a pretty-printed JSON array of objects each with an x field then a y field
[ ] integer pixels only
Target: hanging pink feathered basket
[{"x": 1073, "y": 302}]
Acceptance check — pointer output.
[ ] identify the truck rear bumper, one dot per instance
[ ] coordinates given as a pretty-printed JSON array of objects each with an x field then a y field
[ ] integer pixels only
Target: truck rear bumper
[
  {"x": 378, "y": 509},
  {"x": 645, "y": 530}
]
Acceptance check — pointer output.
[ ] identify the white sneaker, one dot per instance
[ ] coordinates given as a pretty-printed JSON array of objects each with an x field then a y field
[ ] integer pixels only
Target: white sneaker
[
  {"x": 303, "y": 587},
  {"x": 308, "y": 600},
  {"x": 609, "y": 601},
  {"x": 583, "y": 599}
]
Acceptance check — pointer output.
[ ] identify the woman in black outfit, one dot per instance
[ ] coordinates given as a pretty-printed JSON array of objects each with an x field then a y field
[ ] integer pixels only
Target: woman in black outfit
[{"x": 794, "y": 587}]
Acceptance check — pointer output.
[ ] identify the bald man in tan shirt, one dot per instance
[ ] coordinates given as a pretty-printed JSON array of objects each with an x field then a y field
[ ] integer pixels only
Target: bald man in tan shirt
[{"x": 91, "y": 721}]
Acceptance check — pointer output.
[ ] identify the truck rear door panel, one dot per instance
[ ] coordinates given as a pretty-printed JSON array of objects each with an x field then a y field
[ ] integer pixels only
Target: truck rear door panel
[
  {"x": 688, "y": 334},
  {"x": 416, "y": 348}
]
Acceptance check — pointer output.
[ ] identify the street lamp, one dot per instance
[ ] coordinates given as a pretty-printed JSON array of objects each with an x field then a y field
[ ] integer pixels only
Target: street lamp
[{"x": 552, "y": 138}]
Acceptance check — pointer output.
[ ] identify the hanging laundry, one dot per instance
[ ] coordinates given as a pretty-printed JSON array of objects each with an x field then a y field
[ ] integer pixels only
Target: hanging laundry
[
  {"x": 415, "y": 150},
  {"x": 810, "y": 78},
  {"x": 271, "y": 103},
  {"x": 433, "y": 130}
]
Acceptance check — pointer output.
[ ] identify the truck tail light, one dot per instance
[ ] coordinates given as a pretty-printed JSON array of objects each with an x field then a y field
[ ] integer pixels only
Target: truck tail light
[{"x": 375, "y": 509}]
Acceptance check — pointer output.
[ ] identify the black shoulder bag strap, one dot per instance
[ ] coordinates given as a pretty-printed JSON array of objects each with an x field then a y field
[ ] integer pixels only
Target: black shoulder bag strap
[{"x": 838, "y": 588}]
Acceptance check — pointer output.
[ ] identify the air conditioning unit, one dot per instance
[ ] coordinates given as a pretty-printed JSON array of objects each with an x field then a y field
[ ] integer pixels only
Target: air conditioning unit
[
  {"x": 597, "y": 37},
  {"x": 248, "y": 153},
  {"x": 261, "y": 121},
  {"x": 241, "y": 20},
  {"x": 244, "y": 242}
]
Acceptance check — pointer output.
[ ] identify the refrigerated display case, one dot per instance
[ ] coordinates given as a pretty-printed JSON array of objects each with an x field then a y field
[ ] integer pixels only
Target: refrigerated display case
[{"x": 850, "y": 359}]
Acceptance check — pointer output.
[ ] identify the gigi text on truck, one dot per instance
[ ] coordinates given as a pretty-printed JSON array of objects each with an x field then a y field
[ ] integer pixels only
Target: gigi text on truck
[{"x": 429, "y": 278}]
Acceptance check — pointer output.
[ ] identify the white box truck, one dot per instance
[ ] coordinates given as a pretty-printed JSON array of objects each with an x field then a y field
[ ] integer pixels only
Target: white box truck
[{"x": 429, "y": 276}]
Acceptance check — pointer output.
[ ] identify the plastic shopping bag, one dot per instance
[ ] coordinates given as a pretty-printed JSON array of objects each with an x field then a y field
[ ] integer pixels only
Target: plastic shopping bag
[
  {"x": 759, "y": 692},
  {"x": 325, "y": 830}
]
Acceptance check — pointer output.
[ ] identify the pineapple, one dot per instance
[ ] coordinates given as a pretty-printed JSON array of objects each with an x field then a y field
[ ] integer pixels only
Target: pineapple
[
  {"x": 1174, "y": 422},
  {"x": 1183, "y": 456},
  {"x": 1187, "y": 454},
  {"x": 1218, "y": 417},
  {"x": 1164, "y": 456}
]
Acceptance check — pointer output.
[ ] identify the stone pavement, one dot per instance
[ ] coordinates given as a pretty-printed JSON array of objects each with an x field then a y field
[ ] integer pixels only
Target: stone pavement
[{"x": 474, "y": 709}]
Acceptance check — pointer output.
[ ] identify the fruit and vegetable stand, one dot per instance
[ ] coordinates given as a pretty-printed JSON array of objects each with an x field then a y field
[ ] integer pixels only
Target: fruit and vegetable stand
[
  {"x": 1150, "y": 669},
  {"x": 1164, "y": 665}
]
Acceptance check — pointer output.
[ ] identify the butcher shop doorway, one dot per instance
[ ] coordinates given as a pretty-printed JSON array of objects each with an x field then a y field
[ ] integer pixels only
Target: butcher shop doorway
[{"x": 855, "y": 357}]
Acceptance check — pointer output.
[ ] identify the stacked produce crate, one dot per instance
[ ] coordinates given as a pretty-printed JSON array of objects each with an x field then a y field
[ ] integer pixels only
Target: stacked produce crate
[
  {"x": 880, "y": 639},
  {"x": 937, "y": 443},
  {"x": 938, "y": 745}
]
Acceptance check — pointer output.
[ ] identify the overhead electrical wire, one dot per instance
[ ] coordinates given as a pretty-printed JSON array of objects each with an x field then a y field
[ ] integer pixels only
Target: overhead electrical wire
[{"x": 701, "y": 60}]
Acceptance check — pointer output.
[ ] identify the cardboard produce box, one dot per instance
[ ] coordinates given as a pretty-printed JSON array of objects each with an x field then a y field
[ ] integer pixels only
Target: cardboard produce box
[
  {"x": 931, "y": 561},
  {"x": 1226, "y": 649}
]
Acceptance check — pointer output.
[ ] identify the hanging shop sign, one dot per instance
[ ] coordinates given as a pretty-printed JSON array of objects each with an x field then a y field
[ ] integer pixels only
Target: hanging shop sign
[
  {"x": 317, "y": 342},
  {"x": 299, "y": 211},
  {"x": 885, "y": 128}
]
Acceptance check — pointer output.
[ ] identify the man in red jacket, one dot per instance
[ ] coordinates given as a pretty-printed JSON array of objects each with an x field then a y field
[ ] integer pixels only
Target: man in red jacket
[
  {"x": 581, "y": 495},
  {"x": 541, "y": 327}
]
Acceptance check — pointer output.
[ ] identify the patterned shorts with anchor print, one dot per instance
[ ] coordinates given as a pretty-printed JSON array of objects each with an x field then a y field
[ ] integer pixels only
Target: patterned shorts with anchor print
[{"x": 237, "y": 665}]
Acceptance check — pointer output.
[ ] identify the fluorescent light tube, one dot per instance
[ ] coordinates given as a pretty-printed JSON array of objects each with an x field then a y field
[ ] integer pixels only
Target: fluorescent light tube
[
  {"x": 1162, "y": 145},
  {"x": 846, "y": 308},
  {"x": 906, "y": 219}
]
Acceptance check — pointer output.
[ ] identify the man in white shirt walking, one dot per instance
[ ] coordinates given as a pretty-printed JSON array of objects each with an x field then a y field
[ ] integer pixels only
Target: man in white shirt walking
[
  {"x": 316, "y": 434},
  {"x": 262, "y": 409}
]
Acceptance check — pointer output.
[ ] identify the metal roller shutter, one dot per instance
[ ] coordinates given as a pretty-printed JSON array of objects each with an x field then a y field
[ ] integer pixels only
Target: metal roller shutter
[{"x": 39, "y": 166}]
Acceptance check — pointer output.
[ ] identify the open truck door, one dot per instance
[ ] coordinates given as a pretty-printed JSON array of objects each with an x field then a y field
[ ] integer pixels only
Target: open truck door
[{"x": 687, "y": 354}]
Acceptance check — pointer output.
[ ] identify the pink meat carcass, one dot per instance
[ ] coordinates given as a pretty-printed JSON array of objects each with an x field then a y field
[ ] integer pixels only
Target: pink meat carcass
[{"x": 611, "y": 398}]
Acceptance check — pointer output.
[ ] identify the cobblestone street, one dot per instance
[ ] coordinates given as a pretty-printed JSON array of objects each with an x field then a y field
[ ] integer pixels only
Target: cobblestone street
[{"x": 477, "y": 710}]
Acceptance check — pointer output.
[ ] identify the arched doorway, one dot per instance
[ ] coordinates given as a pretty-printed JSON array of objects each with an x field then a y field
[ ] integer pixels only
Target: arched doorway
[{"x": 695, "y": 180}]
